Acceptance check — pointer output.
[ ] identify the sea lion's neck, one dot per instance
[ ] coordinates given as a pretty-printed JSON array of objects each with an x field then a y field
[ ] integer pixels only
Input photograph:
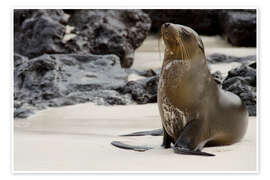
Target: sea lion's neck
[{"x": 171, "y": 55}]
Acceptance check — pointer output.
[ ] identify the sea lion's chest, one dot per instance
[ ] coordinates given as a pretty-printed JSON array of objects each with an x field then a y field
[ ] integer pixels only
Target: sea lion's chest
[{"x": 174, "y": 116}]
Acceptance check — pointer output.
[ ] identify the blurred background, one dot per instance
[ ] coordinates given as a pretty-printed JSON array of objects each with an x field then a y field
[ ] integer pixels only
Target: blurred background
[{"x": 113, "y": 57}]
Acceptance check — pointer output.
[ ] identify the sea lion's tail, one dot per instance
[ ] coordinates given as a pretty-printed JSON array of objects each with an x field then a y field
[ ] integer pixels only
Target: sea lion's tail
[{"x": 180, "y": 150}]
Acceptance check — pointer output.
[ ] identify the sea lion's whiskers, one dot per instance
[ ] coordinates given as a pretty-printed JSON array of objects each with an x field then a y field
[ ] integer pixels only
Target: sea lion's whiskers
[
  {"x": 181, "y": 48},
  {"x": 184, "y": 54},
  {"x": 187, "y": 55},
  {"x": 179, "y": 45}
]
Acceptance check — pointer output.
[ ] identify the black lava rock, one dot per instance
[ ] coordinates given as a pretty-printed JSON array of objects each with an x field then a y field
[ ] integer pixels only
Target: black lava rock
[
  {"x": 222, "y": 58},
  {"x": 142, "y": 91},
  {"x": 19, "y": 59},
  {"x": 239, "y": 27},
  {"x": 242, "y": 81},
  {"x": 119, "y": 32},
  {"x": 203, "y": 21},
  {"x": 65, "y": 79},
  {"x": 38, "y": 32}
]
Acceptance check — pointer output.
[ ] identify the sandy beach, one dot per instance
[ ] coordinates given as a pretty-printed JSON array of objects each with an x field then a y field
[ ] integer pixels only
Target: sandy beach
[{"x": 78, "y": 137}]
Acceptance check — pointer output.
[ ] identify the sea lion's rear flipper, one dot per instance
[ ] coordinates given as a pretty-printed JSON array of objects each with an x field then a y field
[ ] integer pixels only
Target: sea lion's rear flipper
[
  {"x": 130, "y": 147},
  {"x": 190, "y": 140},
  {"x": 156, "y": 132}
]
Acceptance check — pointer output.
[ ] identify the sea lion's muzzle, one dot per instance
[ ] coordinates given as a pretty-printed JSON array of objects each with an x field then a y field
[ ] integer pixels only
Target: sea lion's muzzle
[
  {"x": 170, "y": 27},
  {"x": 167, "y": 29},
  {"x": 166, "y": 25}
]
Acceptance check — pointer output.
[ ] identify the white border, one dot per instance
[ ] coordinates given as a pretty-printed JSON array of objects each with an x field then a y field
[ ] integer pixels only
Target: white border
[{"x": 134, "y": 172}]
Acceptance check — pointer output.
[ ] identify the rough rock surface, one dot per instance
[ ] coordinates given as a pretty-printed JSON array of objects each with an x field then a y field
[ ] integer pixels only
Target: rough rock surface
[
  {"x": 37, "y": 32},
  {"x": 142, "y": 91},
  {"x": 202, "y": 21},
  {"x": 110, "y": 31},
  {"x": 242, "y": 81},
  {"x": 119, "y": 32},
  {"x": 20, "y": 15},
  {"x": 65, "y": 79},
  {"x": 223, "y": 58},
  {"x": 238, "y": 26}
]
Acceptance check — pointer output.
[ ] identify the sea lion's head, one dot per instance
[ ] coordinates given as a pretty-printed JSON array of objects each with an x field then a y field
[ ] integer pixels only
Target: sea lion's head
[{"x": 181, "y": 42}]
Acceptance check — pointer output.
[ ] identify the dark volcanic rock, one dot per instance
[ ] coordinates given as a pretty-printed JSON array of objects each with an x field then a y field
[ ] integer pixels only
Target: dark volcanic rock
[
  {"x": 204, "y": 21},
  {"x": 242, "y": 81},
  {"x": 222, "y": 58},
  {"x": 65, "y": 79},
  {"x": 37, "y": 32},
  {"x": 145, "y": 73},
  {"x": 239, "y": 27},
  {"x": 142, "y": 91},
  {"x": 253, "y": 65},
  {"x": 148, "y": 73},
  {"x": 247, "y": 72},
  {"x": 19, "y": 59},
  {"x": 20, "y": 15},
  {"x": 117, "y": 32}
]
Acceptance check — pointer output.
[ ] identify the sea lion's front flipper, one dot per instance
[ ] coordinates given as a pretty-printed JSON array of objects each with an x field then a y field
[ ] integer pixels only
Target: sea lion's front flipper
[
  {"x": 190, "y": 140},
  {"x": 130, "y": 147},
  {"x": 167, "y": 140},
  {"x": 156, "y": 132}
]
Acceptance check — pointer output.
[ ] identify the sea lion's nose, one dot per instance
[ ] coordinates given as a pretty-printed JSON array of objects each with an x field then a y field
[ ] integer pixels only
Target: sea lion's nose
[{"x": 166, "y": 25}]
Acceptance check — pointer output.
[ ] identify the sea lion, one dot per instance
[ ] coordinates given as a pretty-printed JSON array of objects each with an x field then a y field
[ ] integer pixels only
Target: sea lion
[{"x": 194, "y": 111}]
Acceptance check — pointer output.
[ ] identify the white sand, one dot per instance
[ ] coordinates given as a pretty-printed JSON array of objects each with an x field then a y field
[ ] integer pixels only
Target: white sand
[{"x": 77, "y": 138}]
